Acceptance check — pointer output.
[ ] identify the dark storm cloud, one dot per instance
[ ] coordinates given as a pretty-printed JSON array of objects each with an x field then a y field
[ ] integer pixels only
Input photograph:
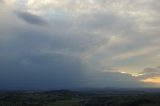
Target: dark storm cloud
[
  {"x": 43, "y": 72},
  {"x": 31, "y": 18},
  {"x": 26, "y": 63},
  {"x": 31, "y": 60},
  {"x": 57, "y": 72}
]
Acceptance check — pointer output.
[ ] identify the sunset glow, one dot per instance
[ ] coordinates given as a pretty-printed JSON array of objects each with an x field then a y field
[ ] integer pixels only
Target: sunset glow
[{"x": 155, "y": 80}]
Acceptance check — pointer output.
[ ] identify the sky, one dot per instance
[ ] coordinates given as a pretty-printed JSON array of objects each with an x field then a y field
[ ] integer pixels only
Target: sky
[{"x": 56, "y": 44}]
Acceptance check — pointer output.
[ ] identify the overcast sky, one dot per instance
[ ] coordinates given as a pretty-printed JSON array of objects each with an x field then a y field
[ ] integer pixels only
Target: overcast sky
[{"x": 55, "y": 44}]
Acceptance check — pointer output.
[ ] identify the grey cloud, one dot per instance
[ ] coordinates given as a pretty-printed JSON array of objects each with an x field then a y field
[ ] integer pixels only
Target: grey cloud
[
  {"x": 114, "y": 79},
  {"x": 42, "y": 71},
  {"x": 57, "y": 72},
  {"x": 150, "y": 72},
  {"x": 32, "y": 67},
  {"x": 31, "y": 18},
  {"x": 107, "y": 21},
  {"x": 1, "y": 1},
  {"x": 52, "y": 57},
  {"x": 154, "y": 5}
]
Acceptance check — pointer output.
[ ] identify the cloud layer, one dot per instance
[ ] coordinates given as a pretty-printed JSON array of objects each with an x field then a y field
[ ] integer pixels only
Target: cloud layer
[{"x": 74, "y": 43}]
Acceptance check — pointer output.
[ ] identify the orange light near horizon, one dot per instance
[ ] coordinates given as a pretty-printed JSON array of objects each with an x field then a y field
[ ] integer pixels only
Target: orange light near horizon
[{"x": 152, "y": 80}]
